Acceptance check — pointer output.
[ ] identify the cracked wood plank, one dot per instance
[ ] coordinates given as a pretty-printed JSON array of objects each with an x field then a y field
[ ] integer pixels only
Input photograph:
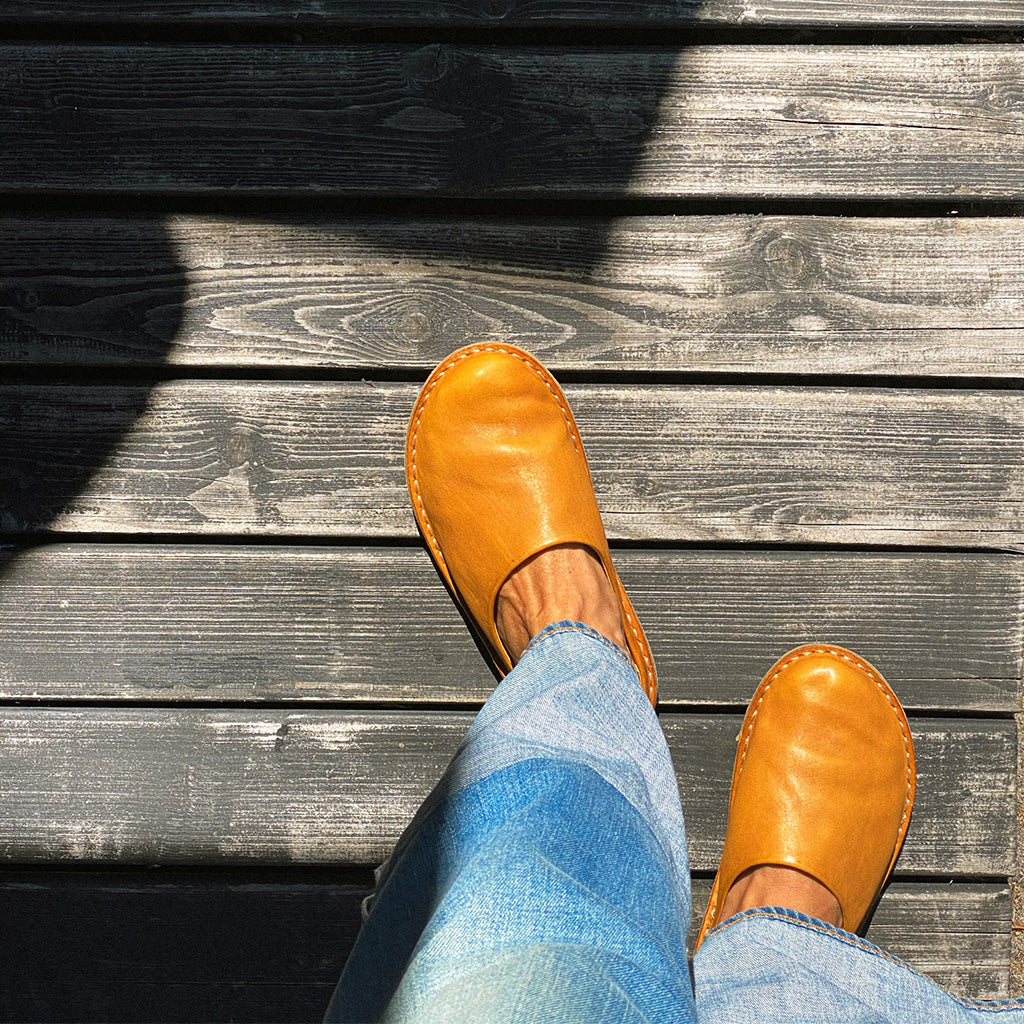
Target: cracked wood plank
[
  {"x": 888, "y": 122},
  {"x": 299, "y": 14}
]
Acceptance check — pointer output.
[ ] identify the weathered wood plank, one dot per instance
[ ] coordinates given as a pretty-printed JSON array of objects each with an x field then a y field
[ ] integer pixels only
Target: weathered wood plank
[
  {"x": 521, "y": 13},
  {"x": 729, "y": 294},
  {"x": 124, "y": 947},
  {"x": 812, "y": 464},
  {"x": 81, "y": 622},
  {"x": 801, "y": 122},
  {"x": 200, "y": 786},
  {"x": 956, "y": 934}
]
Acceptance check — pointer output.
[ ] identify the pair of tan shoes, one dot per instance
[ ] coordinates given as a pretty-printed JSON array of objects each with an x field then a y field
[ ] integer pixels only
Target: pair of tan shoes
[{"x": 824, "y": 775}]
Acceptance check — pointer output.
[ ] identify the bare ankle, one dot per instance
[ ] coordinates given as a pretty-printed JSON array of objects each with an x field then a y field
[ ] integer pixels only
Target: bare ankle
[
  {"x": 770, "y": 885},
  {"x": 564, "y": 582}
]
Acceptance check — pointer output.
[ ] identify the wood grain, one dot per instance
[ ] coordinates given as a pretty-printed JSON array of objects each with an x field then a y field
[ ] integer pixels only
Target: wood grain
[
  {"x": 952, "y": 933},
  {"x": 201, "y": 786},
  {"x": 520, "y": 13},
  {"x": 124, "y": 946},
  {"x": 734, "y": 294},
  {"x": 727, "y": 122},
  {"x": 239, "y": 623},
  {"x": 205, "y": 704},
  {"x": 695, "y": 463}
]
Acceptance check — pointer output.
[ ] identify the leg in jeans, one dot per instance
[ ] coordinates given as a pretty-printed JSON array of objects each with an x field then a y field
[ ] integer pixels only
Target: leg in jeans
[
  {"x": 545, "y": 880},
  {"x": 822, "y": 790},
  {"x": 546, "y": 877},
  {"x": 778, "y": 965}
]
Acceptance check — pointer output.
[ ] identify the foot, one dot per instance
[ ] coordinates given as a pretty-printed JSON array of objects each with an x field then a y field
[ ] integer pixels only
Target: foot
[
  {"x": 769, "y": 885},
  {"x": 823, "y": 783},
  {"x": 497, "y": 475},
  {"x": 564, "y": 582}
]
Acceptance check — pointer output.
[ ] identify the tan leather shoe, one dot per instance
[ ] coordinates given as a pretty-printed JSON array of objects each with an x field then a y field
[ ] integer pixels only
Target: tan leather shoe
[
  {"x": 496, "y": 473},
  {"x": 823, "y": 781}
]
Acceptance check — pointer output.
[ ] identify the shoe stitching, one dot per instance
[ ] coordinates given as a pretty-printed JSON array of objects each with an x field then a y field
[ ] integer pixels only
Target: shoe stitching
[
  {"x": 883, "y": 689},
  {"x": 576, "y": 443}
]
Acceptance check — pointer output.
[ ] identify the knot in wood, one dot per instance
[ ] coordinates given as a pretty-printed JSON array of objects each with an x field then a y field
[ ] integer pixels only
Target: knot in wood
[
  {"x": 497, "y": 8},
  {"x": 788, "y": 261},
  {"x": 25, "y": 299},
  {"x": 281, "y": 736},
  {"x": 794, "y": 110},
  {"x": 1003, "y": 98},
  {"x": 427, "y": 64},
  {"x": 240, "y": 446},
  {"x": 414, "y": 328}
]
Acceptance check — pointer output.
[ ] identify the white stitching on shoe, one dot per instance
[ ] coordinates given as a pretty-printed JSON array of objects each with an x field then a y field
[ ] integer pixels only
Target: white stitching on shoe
[
  {"x": 577, "y": 444},
  {"x": 422, "y": 403},
  {"x": 883, "y": 689}
]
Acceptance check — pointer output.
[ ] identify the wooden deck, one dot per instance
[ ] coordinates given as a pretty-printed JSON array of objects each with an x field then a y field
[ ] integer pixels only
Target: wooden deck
[{"x": 773, "y": 251}]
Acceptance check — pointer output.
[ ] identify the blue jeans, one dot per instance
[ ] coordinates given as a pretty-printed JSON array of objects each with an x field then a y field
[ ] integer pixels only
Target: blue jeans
[{"x": 545, "y": 879}]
